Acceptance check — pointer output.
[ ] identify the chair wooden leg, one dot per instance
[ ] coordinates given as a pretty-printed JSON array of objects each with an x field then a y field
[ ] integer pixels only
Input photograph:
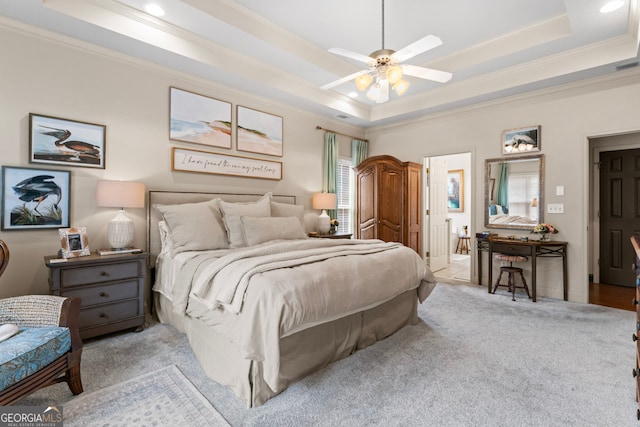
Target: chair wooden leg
[
  {"x": 524, "y": 284},
  {"x": 512, "y": 286},
  {"x": 497, "y": 283},
  {"x": 74, "y": 380}
]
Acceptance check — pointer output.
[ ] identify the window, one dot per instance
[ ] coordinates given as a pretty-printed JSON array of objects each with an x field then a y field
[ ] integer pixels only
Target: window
[
  {"x": 522, "y": 188},
  {"x": 345, "y": 195}
]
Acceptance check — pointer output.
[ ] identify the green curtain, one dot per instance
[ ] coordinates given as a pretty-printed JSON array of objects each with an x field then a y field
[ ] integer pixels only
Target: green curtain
[
  {"x": 330, "y": 175},
  {"x": 359, "y": 151},
  {"x": 503, "y": 187}
]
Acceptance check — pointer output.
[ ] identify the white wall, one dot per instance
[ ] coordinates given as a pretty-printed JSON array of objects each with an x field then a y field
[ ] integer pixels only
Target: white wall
[
  {"x": 602, "y": 106},
  {"x": 47, "y": 75}
]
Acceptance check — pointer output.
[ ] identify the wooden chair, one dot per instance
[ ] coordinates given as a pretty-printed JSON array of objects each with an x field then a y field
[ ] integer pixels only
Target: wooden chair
[
  {"x": 511, "y": 271},
  {"x": 33, "y": 312}
]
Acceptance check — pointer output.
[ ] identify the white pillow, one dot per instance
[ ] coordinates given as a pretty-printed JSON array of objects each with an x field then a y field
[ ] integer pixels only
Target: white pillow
[
  {"x": 231, "y": 213},
  {"x": 259, "y": 230},
  {"x": 195, "y": 226},
  {"x": 166, "y": 244},
  {"x": 7, "y": 331},
  {"x": 286, "y": 210}
]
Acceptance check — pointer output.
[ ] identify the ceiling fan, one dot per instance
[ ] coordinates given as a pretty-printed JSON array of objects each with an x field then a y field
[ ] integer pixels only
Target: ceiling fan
[{"x": 384, "y": 69}]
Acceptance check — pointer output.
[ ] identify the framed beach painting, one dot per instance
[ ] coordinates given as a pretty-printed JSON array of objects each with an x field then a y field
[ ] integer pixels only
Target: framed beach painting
[
  {"x": 199, "y": 119},
  {"x": 259, "y": 132},
  {"x": 34, "y": 199},
  {"x": 65, "y": 142},
  {"x": 521, "y": 141},
  {"x": 455, "y": 190}
]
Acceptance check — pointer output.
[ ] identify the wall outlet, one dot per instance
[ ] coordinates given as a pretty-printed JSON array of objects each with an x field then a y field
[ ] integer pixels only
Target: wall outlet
[{"x": 555, "y": 208}]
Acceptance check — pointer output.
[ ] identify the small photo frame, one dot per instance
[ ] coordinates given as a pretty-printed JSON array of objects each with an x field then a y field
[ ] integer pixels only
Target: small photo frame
[
  {"x": 199, "y": 119},
  {"x": 521, "y": 141},
  {"x": 74, "y": 242},
  {"x": 35, "y": 199},
  {"x": 455, "y": 190},
  {"x": 57, "y": 141},
  {"x": 259, "y": 132}
]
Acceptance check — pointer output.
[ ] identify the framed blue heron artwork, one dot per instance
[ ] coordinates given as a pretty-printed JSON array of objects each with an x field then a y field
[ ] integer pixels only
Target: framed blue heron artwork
[
  {"x": 34, "y": 199},
  {"x": 57, "y": 141}
]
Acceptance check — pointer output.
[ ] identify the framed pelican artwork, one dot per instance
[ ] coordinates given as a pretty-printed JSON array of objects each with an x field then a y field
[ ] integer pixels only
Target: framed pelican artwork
[
  {"x": 57, "y": 141},
  {"x": 35, "y": 199}
]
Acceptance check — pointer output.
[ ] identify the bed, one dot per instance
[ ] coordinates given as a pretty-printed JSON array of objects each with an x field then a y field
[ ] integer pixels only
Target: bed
[{"x": 263, "y": 305}]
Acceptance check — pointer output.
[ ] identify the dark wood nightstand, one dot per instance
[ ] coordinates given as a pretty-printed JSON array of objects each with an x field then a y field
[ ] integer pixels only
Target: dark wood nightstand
[
  {"x": 111, "y": 288},
  {"x": 332, "y": 236}
]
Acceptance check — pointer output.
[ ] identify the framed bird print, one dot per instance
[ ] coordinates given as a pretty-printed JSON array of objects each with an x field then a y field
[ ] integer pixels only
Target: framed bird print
[
  {"x": 57, "y": 141},
  {"x": 34, "y": 199}
]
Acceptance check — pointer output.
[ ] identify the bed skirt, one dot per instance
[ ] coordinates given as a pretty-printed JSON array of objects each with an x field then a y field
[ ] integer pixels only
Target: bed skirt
[{"x": 301, "y": 354}]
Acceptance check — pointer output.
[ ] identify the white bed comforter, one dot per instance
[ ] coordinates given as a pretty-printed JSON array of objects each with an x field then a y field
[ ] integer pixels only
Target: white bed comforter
[{"x": 257, "y": 295}]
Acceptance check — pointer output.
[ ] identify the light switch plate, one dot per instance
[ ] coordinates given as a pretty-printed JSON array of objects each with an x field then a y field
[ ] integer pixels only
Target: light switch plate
[
  {"x": 555, "y": 208},
  {"x": 560, "y": 190}
]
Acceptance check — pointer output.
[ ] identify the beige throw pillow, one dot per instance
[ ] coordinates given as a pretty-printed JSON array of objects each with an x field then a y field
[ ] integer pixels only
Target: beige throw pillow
[
  {"x": 232, "y": 212},
  {"x": 287, "y": 210},
  {"x": 195, "y": 226},
  {"x": 259, "y": 230}
]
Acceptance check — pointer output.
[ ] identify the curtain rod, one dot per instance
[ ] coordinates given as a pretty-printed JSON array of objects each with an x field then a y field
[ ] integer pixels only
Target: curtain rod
[{"x": 340, "y": 133}]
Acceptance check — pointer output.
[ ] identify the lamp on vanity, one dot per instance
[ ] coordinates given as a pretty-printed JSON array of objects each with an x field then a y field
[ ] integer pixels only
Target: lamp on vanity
[
  {"x": 120, "y": 194},
  {"x": 324, "y": 201}
]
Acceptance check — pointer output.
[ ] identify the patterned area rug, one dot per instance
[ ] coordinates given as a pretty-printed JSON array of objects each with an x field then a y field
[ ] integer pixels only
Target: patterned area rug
[{"x": 161, "y": 398}]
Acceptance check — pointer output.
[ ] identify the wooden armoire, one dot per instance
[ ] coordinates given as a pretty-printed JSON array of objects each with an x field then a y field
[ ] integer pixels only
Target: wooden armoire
[{"x": 388, "y": 201}]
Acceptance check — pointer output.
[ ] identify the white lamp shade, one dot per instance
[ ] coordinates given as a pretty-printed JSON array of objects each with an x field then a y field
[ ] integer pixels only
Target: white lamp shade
[
  {"x": 120, "y": 194},
  {"x": 324, "y": 201}
]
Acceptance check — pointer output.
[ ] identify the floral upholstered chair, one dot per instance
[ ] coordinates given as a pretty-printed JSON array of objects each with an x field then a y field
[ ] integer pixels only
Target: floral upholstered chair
[{"x": 40, "y": 343}]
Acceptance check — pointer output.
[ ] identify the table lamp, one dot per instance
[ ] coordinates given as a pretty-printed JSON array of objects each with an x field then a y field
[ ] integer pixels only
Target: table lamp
[
  {"x": 324, "y": 201},
  {"x": 120, "y": 194}
]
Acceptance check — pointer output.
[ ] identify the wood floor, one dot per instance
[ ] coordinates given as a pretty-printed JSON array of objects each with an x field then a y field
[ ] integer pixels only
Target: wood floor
[{"x": 612, "y": 296}]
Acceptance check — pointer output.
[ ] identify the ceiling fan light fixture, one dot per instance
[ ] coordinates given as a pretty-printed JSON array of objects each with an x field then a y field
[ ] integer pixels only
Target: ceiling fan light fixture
[
  {"x": 374, "y": 92},
  {"x": 394, "y": 74},
  {"x": 363, "y": 82},
  {"x": 401, "y": 87}
]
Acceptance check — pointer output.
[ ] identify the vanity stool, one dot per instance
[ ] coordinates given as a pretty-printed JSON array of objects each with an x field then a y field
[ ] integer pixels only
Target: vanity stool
[{"x": 511, "y": 271}]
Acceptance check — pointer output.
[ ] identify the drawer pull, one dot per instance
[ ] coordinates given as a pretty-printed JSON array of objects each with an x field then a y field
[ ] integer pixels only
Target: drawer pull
[
  {"x": 102, "y": 315},
  {"x": 104, "y": 294},
  {"x": 635, "y": 302},
  {"x": 104, "y": 273}
]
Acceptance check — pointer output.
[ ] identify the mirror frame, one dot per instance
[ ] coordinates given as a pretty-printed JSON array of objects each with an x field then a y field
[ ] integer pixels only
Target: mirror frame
[{"x": 487, "y": 183}]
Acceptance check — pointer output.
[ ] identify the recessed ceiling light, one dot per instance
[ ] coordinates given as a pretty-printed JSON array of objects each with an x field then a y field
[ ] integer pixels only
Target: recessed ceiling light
[
  {"x": 353, "y": 94},
  {"x": 154, "y": 9},
  {"x": 611, "y": 6}
]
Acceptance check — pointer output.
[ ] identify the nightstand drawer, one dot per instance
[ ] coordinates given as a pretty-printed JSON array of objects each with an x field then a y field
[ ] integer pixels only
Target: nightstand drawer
[
  {"x": 108, "y": 313},
  {"x": 105, "y": 293},
  {"x": 99, "y": 273}
]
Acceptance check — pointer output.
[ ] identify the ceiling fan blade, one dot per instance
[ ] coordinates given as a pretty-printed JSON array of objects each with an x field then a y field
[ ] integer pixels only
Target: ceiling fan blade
[
  {"x": 417, "y": 47},
  {"x": 427, "y": 73},
  {"x": 384, "y": 92},
  {"x": 353, "y": 55},
  {"x": 343, "y": 80}
]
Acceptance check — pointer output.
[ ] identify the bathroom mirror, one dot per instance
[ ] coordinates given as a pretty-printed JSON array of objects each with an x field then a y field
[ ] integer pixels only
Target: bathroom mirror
[{"x": 514, "y": 192}]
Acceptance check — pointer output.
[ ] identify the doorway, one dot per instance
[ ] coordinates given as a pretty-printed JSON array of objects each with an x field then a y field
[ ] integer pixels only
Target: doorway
[
  {"x": 614, "y": 172},
  {"x": 457, "y": 217}
]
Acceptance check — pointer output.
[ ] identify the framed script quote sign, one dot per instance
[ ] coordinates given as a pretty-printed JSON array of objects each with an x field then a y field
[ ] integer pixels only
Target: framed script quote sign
[{"x": 187, "y": 160}]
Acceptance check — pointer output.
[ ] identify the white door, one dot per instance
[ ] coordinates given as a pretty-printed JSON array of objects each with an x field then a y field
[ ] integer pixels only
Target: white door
[{"x": 436, "y": 213}]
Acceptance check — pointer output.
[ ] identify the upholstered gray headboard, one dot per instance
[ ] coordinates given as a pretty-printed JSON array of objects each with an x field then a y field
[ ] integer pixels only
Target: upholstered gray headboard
[{"x": 179, "y": 197}]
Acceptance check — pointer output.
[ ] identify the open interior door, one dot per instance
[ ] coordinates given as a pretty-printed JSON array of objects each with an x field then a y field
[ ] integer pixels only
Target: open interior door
[{"x": 436, "y": 228}]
